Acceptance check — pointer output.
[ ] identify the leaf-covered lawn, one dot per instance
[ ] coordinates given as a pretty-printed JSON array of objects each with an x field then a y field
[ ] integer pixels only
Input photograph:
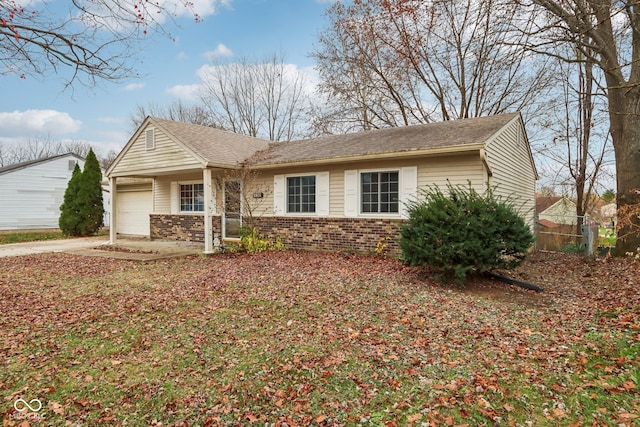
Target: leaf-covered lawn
[{"x": 294, "y": 339}]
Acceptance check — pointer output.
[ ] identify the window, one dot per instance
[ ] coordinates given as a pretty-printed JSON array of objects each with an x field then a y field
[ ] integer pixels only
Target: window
[
  {"x": 191, "y": 197},
  {"x": 301, "y": 194},
  {"x": 379, "y": 192}
]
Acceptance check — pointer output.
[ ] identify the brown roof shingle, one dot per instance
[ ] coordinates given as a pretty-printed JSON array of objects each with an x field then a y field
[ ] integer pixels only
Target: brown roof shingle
[
  {"x": 213, "y": 145},
  {"x": 393, "y": 140}
]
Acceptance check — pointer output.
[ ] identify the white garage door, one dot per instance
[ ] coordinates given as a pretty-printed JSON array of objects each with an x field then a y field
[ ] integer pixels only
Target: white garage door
[{"x": 134, "y": 208}]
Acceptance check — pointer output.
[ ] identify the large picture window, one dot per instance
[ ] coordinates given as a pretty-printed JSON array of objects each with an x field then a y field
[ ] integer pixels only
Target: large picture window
[
  {"x": 301, "y": 194},
  {"x": 191, "y": 197},
  {"x": 379, "y": 192}
]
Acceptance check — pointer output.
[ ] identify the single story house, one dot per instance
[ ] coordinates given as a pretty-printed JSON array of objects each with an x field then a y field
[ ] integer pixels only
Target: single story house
[
  {"x": 345, "y": 192},
  {"x": 31, "y": 192},
  {"x": 556, "y": 209}
]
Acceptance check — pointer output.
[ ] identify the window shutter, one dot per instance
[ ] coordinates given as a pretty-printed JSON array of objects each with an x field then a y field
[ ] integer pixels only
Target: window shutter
[
  {"x": 174, "y": 194},
  {"x": 322, "y": 194},
  {"x": 350, "y": 193},
  {"x": 409, "y": 188},
  {"x": 279, "y": 202},
  {"x": 150, "y": 139}
]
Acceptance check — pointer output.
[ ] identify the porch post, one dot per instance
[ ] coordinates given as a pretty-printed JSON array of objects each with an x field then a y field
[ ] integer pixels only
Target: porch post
[
  {"x": 208, "y": 207},
  {"x": 113, "y": 215}
]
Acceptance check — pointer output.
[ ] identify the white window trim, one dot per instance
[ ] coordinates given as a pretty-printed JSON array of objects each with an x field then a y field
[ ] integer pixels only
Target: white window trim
[
  {"x": 322, "y": 195},
  {"x": 181, "y": 212},
  {"x": 379, "y": 214},
  {"x": 406, "y": 192}
]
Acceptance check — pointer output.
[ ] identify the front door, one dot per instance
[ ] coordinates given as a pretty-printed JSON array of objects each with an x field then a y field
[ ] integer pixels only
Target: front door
[{"x": 232, "y": 209}]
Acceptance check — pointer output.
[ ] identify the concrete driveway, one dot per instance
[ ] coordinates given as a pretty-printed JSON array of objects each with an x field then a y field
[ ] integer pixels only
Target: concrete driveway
[
  {"x": 44, "y": 246},
  {"x": 139, "y": 250}
]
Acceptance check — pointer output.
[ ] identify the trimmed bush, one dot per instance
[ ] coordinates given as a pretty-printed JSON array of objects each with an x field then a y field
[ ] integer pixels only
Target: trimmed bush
[{"x": 462, "y": 232}]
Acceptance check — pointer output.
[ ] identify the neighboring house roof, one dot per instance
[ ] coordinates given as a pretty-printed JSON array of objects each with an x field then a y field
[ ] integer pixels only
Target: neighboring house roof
[
  {"x": 448, "y": 136},
  {"x": 22, "y": 165},
  {"x": 545, "y": 202},
  {"x": 212, "y": 144},
  {"x": 547, "y": 223}
]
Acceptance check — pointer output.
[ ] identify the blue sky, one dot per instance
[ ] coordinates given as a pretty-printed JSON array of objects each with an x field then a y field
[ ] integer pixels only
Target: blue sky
[{"x": 41, "y": 108}]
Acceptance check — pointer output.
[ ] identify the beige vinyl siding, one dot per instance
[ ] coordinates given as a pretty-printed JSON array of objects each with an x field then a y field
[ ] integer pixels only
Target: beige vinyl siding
[
  {"x": 509, "y": 157},
  {"x": 167, "y": 155},
  {"x": 454, "y": 170},
  {"x": 162, "y": 196},
  {"x": 434, "y": 170}
]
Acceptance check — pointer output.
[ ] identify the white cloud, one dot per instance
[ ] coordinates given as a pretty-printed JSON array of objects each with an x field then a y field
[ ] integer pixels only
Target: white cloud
[
  {"x": 185, "y": 92},
  {"x": 134, "y": 86},
  {"x": 38, "y": 122},
  {"x": 182, "y": 56},
  {"x": 219, "y": 52}
]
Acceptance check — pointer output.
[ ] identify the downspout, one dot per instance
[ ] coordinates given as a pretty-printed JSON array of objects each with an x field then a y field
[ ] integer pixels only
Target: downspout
[
  {"x": 485, "y": 162},
  {"x": 113, "y": 220}
]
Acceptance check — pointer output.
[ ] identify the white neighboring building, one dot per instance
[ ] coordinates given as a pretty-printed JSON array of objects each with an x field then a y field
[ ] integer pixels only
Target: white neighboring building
[{"x": 31, "y": 192}]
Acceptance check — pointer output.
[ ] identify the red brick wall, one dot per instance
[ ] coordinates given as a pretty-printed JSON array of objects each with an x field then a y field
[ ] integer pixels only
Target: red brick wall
[
  {"x": 299, "y": 233},
  {"x": 332, "y": 234},
  {"x": 187, "y": 228}
]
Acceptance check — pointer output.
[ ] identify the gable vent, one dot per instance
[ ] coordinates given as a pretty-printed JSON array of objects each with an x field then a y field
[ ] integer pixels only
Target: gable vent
[
  {"x": 72, "y": 165},
  {"x": 150, "y": 139}
]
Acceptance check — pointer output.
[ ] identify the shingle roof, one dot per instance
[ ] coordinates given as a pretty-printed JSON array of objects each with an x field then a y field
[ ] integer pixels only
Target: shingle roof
[
  {"x": 213, "y": 145},
  {"x": 393, "y": 140},
  {"x": 545, "y": 202},
  {"x": 21, "y": 165}
]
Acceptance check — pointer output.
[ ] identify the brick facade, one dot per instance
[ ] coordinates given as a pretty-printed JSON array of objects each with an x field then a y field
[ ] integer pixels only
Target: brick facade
[
  {"x": 298, "y": 233},
  {"x": 185, "y": 228},
  {"x": 332, "y": 234}
]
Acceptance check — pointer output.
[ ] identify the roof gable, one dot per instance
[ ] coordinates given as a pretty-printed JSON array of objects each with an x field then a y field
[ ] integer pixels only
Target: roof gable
[
  {"x": 446, "y": 136},
  {"x": 30, "y": 163},
  {"x": 182, "y": 145}
]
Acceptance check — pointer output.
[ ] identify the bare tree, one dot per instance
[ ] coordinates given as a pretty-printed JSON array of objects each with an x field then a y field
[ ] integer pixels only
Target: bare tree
[
  {"x": 41, "y": 148},
  {"x": 579, "y": 125},
  {"x": 94, "y": 39},
  {"x": 177, "y": 111},
  {"x": 608, "y": 34},
  {"x": 263, "y": 99},
  {"x": 417, "y": 62}
]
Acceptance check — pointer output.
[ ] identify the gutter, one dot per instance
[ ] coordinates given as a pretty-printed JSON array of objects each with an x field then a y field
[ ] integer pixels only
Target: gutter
[{"x": 442, "y": 151}]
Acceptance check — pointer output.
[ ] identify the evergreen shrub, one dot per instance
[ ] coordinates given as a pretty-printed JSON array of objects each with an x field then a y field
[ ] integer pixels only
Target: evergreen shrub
[
  {"x": 69, "y": 220},
  {"x": 460, "y": 232},
  {"x": 82, "y": 211}
]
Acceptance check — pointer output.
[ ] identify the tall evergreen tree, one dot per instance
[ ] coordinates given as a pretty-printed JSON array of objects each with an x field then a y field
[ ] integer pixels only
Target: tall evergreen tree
[
  {"x": 90, "y": 204},
  {"x": 69, "y": 214}
]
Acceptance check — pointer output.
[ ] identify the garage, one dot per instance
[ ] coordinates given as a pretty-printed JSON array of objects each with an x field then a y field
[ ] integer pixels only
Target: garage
[{"x": 134, "y": 208}]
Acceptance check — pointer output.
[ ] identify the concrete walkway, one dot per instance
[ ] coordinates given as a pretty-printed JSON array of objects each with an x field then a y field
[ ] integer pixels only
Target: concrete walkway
[
  {"x": 140, "y": 250},
  {"x": 46, "y": 246}
]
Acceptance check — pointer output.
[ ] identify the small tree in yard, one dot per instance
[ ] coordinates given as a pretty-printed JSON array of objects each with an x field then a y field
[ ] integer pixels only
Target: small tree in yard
[
  {"x": 82, "y": 211},
  {"x": 463, "y": 232},
  {"x": 69, "y": 212},
  {"x": 90, "y": 202}
]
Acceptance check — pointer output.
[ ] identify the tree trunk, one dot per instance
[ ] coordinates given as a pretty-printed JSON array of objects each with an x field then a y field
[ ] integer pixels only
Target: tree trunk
[{"x": 624, "y": 110}]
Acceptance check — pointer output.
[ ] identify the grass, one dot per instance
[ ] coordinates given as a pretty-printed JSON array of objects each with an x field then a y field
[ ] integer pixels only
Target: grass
[
  {"x": 29, "y": 236},
  {"x": 34, "y": 236},
  {"x": 311, "y": 339}
]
